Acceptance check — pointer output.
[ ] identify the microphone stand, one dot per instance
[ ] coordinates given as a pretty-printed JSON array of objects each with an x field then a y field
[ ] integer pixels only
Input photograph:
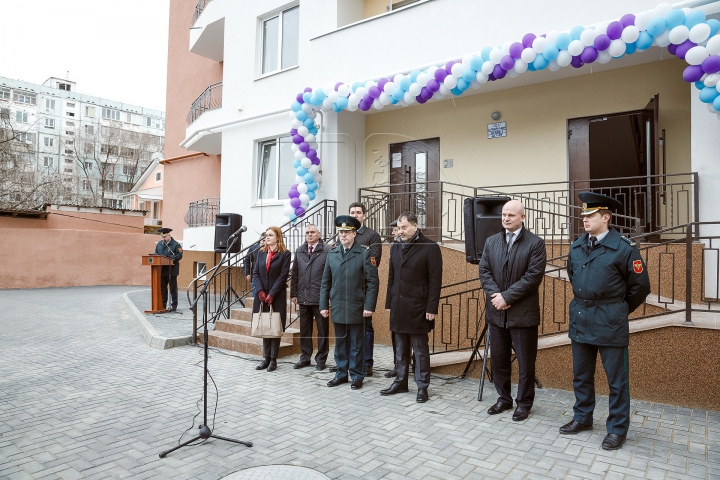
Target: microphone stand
[{"x": 205, "y": 432}]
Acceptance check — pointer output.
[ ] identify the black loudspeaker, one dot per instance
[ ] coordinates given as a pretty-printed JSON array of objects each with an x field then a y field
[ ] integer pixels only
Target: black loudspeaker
[
  {"x": 225, "y": 225},
  {"x": 482, "y": 217}
]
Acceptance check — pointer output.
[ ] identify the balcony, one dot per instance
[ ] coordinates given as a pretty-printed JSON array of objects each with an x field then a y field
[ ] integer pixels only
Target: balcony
[
  {"x": 201, "y": 213},
  {"x": 210, "y": 99},
  {"x": 198, "y": 10},
  {"x": 207, "y": 34}
]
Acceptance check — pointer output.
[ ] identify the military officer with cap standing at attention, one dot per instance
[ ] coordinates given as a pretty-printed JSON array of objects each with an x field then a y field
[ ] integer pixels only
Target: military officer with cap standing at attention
[
  {"x": 609, "y": 281},
  {"x": 350, "y": 287},
  {"x": 170, "y": 248}
]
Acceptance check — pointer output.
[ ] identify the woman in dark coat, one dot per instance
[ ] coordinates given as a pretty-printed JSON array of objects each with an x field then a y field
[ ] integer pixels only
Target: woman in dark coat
[{"x": 270, "y": 276}]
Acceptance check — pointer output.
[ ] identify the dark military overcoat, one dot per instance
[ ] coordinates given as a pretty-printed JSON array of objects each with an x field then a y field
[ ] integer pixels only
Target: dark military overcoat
[{"x": 171, "y": 249}]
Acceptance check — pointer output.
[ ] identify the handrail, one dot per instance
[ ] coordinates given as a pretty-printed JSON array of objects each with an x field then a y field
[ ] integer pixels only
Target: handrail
[
  {"x": 209, "y": 99},
  {"x": 198, "y": 10},
  {"x": 201, "y": 213}
]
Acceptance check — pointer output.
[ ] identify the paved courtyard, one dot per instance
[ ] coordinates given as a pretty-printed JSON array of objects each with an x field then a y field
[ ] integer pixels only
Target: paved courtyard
[{"x": 83, "y": 396}]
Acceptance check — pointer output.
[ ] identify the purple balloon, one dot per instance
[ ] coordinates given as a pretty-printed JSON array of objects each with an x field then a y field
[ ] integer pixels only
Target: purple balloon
[
  {"x": 448, "y": 66},
  {"x": 491, "y": 78},
  {"x": 602, "y": 42},
  {"x": 307, "y": 89},
  {"x": 299, "y": 98},
  {"x": 711, "y": 64},
  {"x": 374, "y": 92},
  {"x": 304, "y": 147},
  {"x": 297, "y": 139},
  {"x": 311, "y": 154},
  {"x": 315, "y": 161},
  {"x": 693, "y": 73},
  {"x": 440, "y": 74},
  {"x": 683, "y": 48},
  {"x": 499, "y": 72},
  {"x": 589, "y": 55},
  {"x": 433, "y": 85},
  {"x": 627, "y": 20},
  {"x": 368, "y": 99},
  {"x": 672, "y": 48},
  {"x": 337, "y": 85},
  {"x": 293, "y": 131},
  {"x": 614, "y": 30},
  {"x": 364, "y": 106},
  {"x": 516, "y": 49},
  {"x": 299, "y": 211},
  {"x": 293, "y": 186},
  {"x": 420, "y": 99},
  {"x": 425, "y": 93},
  {"x": 577, "y": 62},
  {"x": 295, "y": 202},
  {"x": 381, "y": 83},
  {"x": 527, "y": 40},
  {"x": 507, "y": 62}
]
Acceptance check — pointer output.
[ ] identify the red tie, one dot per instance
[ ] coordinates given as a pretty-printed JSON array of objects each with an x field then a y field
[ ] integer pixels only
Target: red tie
[
  {"x": 310, "y": 250},
  {"x": 270, "y": 256}
]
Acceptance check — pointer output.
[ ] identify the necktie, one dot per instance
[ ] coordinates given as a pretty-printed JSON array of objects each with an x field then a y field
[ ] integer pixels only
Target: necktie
[
  {"x": 510, "y": 238},
  {"x": 593, "y": 243},
  {"x": 310, "y": 250}
]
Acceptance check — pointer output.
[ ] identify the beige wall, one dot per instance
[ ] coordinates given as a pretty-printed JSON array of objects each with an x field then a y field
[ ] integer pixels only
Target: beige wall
[
  {"x": 377, "y": 7},
  {"x": 535, "y": 149}
]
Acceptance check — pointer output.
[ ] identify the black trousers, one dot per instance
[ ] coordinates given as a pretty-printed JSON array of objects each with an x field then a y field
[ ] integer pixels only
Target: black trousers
[
  {"x": 349, "y": 350},
  {"x": 502, "y": 343},
  {"x": 308, "y": 313},
  {"x": 404, "y": 342},
  {"x": 271, "y": 346},
  {"x": 172, "y": 283},
  {"x": 369, "y": 342}
]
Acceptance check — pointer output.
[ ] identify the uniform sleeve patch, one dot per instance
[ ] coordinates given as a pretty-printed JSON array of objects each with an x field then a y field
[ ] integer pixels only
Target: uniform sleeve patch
[
  {"x": 372, "y": 260},
  {"x": 637, "y": 266}
]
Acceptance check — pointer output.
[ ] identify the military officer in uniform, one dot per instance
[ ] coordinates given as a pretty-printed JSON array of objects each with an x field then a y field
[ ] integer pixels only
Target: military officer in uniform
[
  {"x": 350, "y": 287},
  {"x": 170, "y": 248},
  {"x": 609, "y": 281}
]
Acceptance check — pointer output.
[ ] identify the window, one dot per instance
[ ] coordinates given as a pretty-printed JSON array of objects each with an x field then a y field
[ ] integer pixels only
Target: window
[
  {"x": 47, "y": 162},
  {"x": 148, "y": 121},
  {"x": 68, "y": 132},
  {"x": 111, "y": 114},
  {"x": 128, "y": 170},
  {"x": 70, "y": 124},
  {"x": 154, "y": 140},
  {"x": 69, "y": 142},
  {"x": 50, "y": 104},
  {"x": 88, "y": 148},
  {"x": 273, "y": 181},
  {"x": 90, "y": 112},
  {"x": 68, "y": 170},
  {"x": 48, "y": 141},
  {"x": 26, "y": 137},
  {"x": 280, "y": 40},
  {"x": 21, "y": 117},
  {"x": 200, "y": 270},
  {"x": 4, "y": 93},
  {"x": 158, "y": 176},
  {"x": 25, "y": 97},
  {"x": 128, "y": 152},
  {"x": 64, "y": 86},
  {"x": 4, "y": 114},
  {"x": 70, "y": 114},
  {"x": 86, "y": 184},
  {"x": 69, "y": 151},
  {"x": 88, "y": 166},
  {"x": 50, "y": 122},
  {"x": 128, "y": 118},
  {"x": 90, "y": 129},
  {"x": 108, "y": 149},
  {"x": 69, "y": 160},
  {"x": 70, "y": 104}
]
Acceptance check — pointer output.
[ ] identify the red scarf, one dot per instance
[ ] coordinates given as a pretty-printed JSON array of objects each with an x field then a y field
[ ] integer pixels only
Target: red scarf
[{"x": 270, "y": 256}]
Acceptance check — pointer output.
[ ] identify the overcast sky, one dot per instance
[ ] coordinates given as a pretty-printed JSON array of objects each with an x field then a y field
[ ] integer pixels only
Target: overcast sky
[{"x": 113, "y": 49}]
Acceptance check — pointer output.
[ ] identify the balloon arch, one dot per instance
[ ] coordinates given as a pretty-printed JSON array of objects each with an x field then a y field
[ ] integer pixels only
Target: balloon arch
[{"x": 685, "y": 32}]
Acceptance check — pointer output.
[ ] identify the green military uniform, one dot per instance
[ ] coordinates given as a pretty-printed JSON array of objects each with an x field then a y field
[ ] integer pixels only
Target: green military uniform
[{"x": 168, "y": 278}]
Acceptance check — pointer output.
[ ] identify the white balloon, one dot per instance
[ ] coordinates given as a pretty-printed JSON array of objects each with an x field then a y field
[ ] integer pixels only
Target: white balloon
[
  {"x": 662, "y": 10},
  {"x": 443, "y": 90},
  {"x": 662, "y": 40},
  {"x": 710, "y": 108},
  {"x": 318, "y": 178},
  {"x": 397, "y": 78},
  {"x": 344, "y": 90},
  {"x": 299, "y": 179},
  {"x": 465, "y": 61},
  {"x": 505, "y": 48},
  {"x": 306, "y": 107},
  {"x": 617, "y": 47},
  {"x": 527, "y": 56},
  {"x": 377, "y": 104},
  {"x": 302, "y": 188},
  {"x": 288, "y": 210},
  {"x": 327, "y": 104},
  {"x": 309, "y": 137},
  {"x": 353, "y": 99},
  {"x": 679, "y": 34},
  {"x": 305, "y": 162},
  {"x": 302, "y": 130},
  {"x": 327, "y": 89},
  {"x": 699, "y": 33},
  {"x": 601, "y": 28},
  {"x": 370, "y": 83},
  {"x": 384, "y": 98},
  {"x": 563, "y": 59},
  {"x": 642, "y": 19},
  {"x": 705, "y": 75},
  {"x": 512, "y": 73},
  {"x": 456, "y": 70},
  {"x": 296, "y": 123},
  {"x": 487, "y": 67},
  {"x": 712, "y": 80},
  {"x": 304, "y": 198},
  {"x": 314, "y": 169},
  {"x": 495, "y": 56},
  {"x": 389, "y": 87},
  {"x": 630, "y": 34},
  {"x": 299, "y": 155},
  {"x": 312, "y": 114},
  {"x": 414, "y": 89},
  {"x": 587, "y": 37},
  {"x": 294, "y": 148},
  {"x": 432, "y": 70},
  {"x": 438, "y": 95},
  {"x": 475, "y": 84},
  {"x": 352, "y": 108},
  {"x": 423, "y": 79},
  {"x": 313, "y": 145},
  {"x": 408, "y": 102},
  {"x": 480, "y": 77},
  {"x": 538, "y": 45},
  {"x": 521, "y": 66},
  {"x": 713, "y": 45},
  {"x": 292, "y": 115},
  {"x": 450, "y": 81},
  {"x": 575, "y": 48},
  {"x": 604, "y": 57},
  {"x": 334, "y": 96},
  {"x": 408, "y": 96},
  {"x": 696, "y": 55},
  {"x": 686, "y": 10},
  {"x": 553, "y": 66},
  {"x": 551, "y": 36},
  {"x": 361, "y": 91}
]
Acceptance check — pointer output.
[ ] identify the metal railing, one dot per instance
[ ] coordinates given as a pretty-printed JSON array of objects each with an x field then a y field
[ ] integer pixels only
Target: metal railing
[
  {"x": 229, "y": 287},
  {"x": 198, "y": 10},
  {"x": 210, "y": 99},
  {"x": 201, "y": 213}
]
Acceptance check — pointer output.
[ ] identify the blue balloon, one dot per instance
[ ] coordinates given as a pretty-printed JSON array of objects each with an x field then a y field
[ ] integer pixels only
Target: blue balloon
[
  {"x": 296, "y": 163},
  {"x": 311, "y": 194},
  {"x": 308, "y": 177},
  {"x": 398, "y": 94},
  {"x": 312, "y": 186},
  {"x": 576, "y": 31},
  {"x": 476, "y": 63},
  {"x": 308, "y": 122},
  {"x": 301, "y": 115},
  {"x": 563, "y": 40},
  {"x": 644, "y": 41},
  {"x": 674, "y": 18},
  {"x": 295, "y": 106},
  {"x": 716, "y": 104},
  {"x": 693, "y": 18},
  {"x": 656, "y": 26},
  {"x": 306, "y": 97},
  {"x": 456, "y": 91},
  {"x": 313, "y": 130},
  {"x": 531, "y": 66},
  {"x": 551, "y": 52},
  {"x": 336, "y": 108},
  {"x": 356, "y": 85},
  {"x": 714, "y": 26},
  {"x": 700, "y": 85},
  {"x": 293, "y": 217},
  {"x": 414, "y": 74},
  {"x": 540, "y": 62},
  {"x": 301, "y": 171},
  {"x": 708, "y": 94},
  {"x": 630, "y": 48},
  {"x": 315, "y": 100},
  {"x": 393, "y": 100},
  {"x": 485, "y": 54},
  {"x": 342, "y": 102},
  {"x": 462, "y": 85},
  {"x": 405, "y": 83},
  {"x": 319, "y": 93},
  {"x": 469, "y": 75}
]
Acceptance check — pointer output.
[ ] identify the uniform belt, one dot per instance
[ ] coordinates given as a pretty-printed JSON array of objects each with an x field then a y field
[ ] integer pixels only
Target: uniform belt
[{"x": 600, "y": 301}]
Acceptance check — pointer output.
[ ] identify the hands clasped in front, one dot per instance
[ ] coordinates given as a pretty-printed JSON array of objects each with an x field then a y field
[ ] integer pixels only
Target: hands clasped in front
[
  {"x": 326, "y": 313},
  {"x": 499, "y": 302}
]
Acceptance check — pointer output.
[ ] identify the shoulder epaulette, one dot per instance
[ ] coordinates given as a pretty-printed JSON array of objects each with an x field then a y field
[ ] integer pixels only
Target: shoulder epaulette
[
  {"x": 365, "y": 247},
  {"x": 334, "y": 248},
  {"x": 628, "y": 241}
]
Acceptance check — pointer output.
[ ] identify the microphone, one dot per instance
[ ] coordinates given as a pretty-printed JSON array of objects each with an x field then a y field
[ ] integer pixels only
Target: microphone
[{"x": 239, "y": 231}]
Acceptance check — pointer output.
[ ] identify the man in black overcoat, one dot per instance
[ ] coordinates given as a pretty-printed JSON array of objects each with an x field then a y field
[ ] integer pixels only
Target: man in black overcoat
[
  {"x": 511, "y": 271},
  {"x": 413, "y": 295}
]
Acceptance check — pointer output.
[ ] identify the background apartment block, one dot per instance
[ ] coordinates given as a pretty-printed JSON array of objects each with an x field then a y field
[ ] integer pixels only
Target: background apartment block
[{"x": 67, "y": 147}]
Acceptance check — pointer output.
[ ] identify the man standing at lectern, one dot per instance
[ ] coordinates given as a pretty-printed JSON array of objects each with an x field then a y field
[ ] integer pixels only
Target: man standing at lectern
[{"x": 169, "y": 247}]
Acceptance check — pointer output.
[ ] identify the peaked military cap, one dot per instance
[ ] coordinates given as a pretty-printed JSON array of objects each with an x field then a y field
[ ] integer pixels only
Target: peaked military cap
[
  {"x": 163, "y": 231},
  {"x": 346, "y": 222},
  {"x": 594, "y": 202},
  {"x": 393, "y": 223}
]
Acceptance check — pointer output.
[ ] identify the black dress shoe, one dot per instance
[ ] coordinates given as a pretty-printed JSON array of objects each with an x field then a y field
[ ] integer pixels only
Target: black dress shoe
[
  {"x": 422, "y": 395},
  {"x": 263, "y": 365},
  {"x": 333, "y": 368},
  {"x": 499, "y": 407},
  {"x": 394, "y": 388},
  {"x": 368, "y": 371},
  {"x": 613, "y": 442},
  {"x": 273, "y": 365},
  {"x": 356, "y": 384},
  {"x": 520, "y": 414},
  {"x": 320, "y": 367},
  {"x": 337, "y": 381},
  {"x": 172, "y": 309},
  {"x": 574, "y": 427},
  {"x": 301, "y": 364},
  {"x": 392, "y": 373}
]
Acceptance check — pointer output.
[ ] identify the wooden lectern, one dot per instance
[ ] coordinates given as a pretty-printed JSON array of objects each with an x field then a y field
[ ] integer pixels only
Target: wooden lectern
[{"x": 156, "y": 263}]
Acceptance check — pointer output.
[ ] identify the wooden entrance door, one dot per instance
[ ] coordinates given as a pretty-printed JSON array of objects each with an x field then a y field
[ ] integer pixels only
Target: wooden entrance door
[{"x": 415, "y": 183}]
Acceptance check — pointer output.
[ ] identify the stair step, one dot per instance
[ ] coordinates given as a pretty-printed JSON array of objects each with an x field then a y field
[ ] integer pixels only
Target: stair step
[
  {"x": 246, "y": 344},
  {"x": 242, "y": 327},
  {"x": 246, "y": 313}
]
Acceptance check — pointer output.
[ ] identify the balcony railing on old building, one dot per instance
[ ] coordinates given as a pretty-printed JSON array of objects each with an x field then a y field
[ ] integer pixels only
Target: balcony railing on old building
[
  {"x": 198, "y": 10},
  {"x": 210, "y": 99},
  {"x": 201, "y": 213}
]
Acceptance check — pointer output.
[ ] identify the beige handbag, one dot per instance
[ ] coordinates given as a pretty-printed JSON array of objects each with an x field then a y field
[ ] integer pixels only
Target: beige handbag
[{"x": 266, "y": 324}]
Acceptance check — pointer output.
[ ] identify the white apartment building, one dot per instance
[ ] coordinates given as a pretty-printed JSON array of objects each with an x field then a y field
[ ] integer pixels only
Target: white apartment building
[
  {"x": 555, "y": 124},
  {"x": 98, "y": 147}
]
